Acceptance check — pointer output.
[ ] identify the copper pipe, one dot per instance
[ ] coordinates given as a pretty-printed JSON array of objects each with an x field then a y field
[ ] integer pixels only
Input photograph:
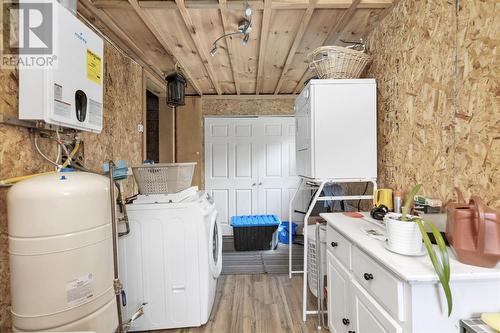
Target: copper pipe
[{"x": 114, "y": 229}]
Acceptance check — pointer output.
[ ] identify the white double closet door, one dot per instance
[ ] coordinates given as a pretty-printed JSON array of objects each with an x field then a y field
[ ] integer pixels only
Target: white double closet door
[{"x": 250, "y": 166}]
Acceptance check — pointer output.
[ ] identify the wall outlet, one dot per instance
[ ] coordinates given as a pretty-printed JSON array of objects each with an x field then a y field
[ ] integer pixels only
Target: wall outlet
[{"x": 140, "y": 128}]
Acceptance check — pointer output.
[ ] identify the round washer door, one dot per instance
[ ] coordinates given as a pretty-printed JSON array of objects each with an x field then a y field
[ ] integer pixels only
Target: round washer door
[{"x": 215, "y": 246}]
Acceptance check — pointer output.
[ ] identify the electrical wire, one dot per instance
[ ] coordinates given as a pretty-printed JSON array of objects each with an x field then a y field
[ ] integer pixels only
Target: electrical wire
[
  {"x": 35, "y": 141},
  {"x": 364, "y": 192},
  {"x": 61, "y": 144}
]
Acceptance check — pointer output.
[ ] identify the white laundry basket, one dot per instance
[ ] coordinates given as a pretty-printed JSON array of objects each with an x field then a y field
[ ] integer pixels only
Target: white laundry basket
[
  {"x": 163, "y": 177},
  {"x": 312, "y": 256}
]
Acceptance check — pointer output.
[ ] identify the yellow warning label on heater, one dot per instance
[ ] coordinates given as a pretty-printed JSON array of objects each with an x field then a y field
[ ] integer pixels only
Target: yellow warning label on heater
[{"x": 94, "y": 67}]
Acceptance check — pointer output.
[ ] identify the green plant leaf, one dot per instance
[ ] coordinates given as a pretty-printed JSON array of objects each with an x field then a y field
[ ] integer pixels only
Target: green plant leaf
[
  {"x": 442, "y": 267},
  {"x": 442, "y": 248},
  {"x": 406, "y": 208}
]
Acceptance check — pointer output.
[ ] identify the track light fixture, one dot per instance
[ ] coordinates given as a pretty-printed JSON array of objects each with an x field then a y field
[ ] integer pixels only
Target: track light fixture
[{"x": 244, "y": 28}]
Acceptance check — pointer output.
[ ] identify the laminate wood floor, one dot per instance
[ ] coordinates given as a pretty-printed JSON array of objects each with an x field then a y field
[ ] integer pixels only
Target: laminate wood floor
[{"x": 259, "y": 303}]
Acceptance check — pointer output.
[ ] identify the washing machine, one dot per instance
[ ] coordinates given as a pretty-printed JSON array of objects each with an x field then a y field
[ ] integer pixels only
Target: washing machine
[{"x": 170, "y": 260}]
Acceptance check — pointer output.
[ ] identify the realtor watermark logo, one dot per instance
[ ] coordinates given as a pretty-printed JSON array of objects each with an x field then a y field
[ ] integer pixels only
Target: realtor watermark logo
[{"x": 28, "y": 34}]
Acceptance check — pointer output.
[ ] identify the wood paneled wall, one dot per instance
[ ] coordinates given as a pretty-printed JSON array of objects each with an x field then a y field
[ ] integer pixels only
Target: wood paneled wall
[
  {"x": 189, "y": 137},
  {"x": 123, "y": 94},
  {"x": 438, "y": 97}
]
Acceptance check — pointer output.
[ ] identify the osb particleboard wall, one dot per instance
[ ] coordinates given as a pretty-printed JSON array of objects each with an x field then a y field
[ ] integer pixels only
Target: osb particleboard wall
[
  {"x": 119, "y": 140},
  {"x": 247, "y": 107},
  {"x": 438, "y": 121},
  {"x": 477, "y": 117}
]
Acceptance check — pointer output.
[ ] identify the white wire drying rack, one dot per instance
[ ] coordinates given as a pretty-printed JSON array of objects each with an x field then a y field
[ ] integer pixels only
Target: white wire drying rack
[{"x": 320, "y": 183}]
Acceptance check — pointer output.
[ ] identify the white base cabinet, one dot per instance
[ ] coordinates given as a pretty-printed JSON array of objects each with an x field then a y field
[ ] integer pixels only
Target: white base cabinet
[{"x": 372, "y": 290}]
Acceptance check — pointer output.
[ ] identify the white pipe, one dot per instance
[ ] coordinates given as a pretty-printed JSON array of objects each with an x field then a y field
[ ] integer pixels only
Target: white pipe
[{"x": 290, "y": 223}]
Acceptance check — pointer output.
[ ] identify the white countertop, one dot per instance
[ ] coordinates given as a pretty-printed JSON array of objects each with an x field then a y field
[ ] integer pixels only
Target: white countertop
[{"x": 410, "y": 269}]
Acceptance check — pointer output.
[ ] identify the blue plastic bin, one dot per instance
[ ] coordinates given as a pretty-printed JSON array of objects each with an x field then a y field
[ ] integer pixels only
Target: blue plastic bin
[
  {"x": 283, "y": 232},
  {"x": 255, "y": 232}
]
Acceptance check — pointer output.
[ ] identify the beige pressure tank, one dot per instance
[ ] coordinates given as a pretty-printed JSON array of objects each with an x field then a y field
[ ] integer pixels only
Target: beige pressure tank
[{"x": 61, "y": 264}]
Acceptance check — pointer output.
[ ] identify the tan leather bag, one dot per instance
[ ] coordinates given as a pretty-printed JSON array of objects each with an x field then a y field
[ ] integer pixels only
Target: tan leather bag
[{"x": 473, "y": 231}]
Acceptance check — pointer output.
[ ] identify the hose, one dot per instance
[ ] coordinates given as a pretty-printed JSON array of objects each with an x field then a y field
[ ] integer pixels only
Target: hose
[
  {"x": 72, "y": 154},
  {"x": 13, "y": 180},
  {"x": 35, "y": 142},
  {"x": 10, "y": 181}
]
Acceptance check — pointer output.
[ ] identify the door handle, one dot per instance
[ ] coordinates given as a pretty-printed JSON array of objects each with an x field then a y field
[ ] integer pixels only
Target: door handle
[
  {"x": 254, "y": 184},
  {"x": 260, "y": 183}
]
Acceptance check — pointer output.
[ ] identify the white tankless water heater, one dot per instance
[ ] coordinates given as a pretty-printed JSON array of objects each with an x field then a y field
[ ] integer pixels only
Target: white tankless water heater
[
  {"x": 70, "y": 93},
  {"x": 61, "y": 254}
]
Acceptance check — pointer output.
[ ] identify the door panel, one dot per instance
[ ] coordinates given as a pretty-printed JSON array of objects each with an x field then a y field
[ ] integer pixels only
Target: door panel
[
  {"x": 243, "y": 160},
  {"x": 219, "y": 157},
  {"x": 253, "y": 160}
]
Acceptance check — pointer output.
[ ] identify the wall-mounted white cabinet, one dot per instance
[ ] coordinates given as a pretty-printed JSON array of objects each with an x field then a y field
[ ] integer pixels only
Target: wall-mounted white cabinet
[
  {"x": 372, "y": 290},
  {"x": 336, "y": 134}
]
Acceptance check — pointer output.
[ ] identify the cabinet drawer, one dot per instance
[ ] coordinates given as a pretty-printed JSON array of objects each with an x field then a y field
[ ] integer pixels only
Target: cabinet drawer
[
  {"x": 368, "y": 315},
  {"x": 379, "y": 282},
  {"x": 339, "y": 246}
]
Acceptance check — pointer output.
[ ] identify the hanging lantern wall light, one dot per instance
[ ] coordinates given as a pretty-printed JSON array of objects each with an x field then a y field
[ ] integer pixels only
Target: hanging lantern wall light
[{"x": 176, "y": 87}]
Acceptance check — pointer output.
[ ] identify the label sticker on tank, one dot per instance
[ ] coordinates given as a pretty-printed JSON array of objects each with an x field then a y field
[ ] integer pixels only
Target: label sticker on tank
[
  {"x": 57, "y": 91},
  {"x": 95, "y": 113},
  {"x": 93, "y": 67},
  {"x": 80, "y": 289},
  {"x": 62, "y": 109}
]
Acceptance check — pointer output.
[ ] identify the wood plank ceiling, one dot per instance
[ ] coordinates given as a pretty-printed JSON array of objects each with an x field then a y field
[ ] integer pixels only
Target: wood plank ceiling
[{"x": 163, "y": 34}]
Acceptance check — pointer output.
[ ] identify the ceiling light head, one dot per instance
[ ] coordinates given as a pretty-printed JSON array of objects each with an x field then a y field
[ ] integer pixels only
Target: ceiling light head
[
  {"x": 214, "y": 50},
  {"x": 244, "y": 26},
  {"x": 245, "y": 39}
]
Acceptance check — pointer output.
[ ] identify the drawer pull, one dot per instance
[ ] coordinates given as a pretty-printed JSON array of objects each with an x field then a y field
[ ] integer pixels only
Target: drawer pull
[
  {"x": 345, "y": 321},
  {"x": 334, "y": 244},
  {"x": 351, "y": 332},
  {"x": 368, "y": 276}
]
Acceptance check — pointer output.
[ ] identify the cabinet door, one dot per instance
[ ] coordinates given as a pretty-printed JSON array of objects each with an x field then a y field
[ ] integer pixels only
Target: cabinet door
[
  {"x": 368, "y": 315},
  {"x": 338, "y": 296}
]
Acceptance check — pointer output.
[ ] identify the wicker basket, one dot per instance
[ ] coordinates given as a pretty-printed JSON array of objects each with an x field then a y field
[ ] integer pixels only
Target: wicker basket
[
  {"x": 163, "y": 177},
  {"x": 336, "y": 62}
]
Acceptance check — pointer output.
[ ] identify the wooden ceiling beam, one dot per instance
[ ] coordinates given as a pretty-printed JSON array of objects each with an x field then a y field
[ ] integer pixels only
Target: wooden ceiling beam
[
  {"x": 379, "y": 18},
  {"x": 249, "y": 96},
  {"x": 198, "y": 4},
  {"x": 178, "y": 58},
  {"x": 230, "y": 46},
  {"x": 256, "y": 5},
  {"x": 203, "y": 52},
  {"x": 264, "y": 31},
  {"x": 330, "y": 4},
  {"x": 333, "y": 34},
  {"x": 118, "y": 37},
  {"x": 296, "y": 42},
  {"x": 338, "y": 29}
]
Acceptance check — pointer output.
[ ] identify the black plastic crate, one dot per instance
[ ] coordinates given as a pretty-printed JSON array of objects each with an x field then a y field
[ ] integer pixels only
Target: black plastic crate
[
  {"x": 255, "y": 232},
  {"x": 255, "y": 238}
]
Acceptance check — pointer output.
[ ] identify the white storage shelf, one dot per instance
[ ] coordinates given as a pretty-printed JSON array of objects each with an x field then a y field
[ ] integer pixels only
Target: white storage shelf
[{"x": 374, "y": 290}]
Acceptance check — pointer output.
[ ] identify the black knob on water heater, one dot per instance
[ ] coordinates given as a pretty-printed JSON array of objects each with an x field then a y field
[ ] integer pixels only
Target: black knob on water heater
[{"x": 80, "y": 105}]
